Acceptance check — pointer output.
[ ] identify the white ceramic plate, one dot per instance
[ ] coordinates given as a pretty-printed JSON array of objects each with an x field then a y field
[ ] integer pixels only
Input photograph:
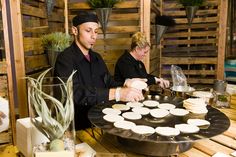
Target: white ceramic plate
[
  {"x": 159, "y": 113},
  {"x": 131, "y": 115},
  {"x": 113, "y": 118},
  {"x": 139, "y": 84},
  {"x": 143, "y": 129},
  {"x": 111, "y": 111},
  {"x": 166, "y": 106},
  {"x": 124, "y": 124},
  {"x": 134, "y": 104},
  {"x": 187, "y": 128},
  {"x": 121, "y": 107},
  {"x": 179, "y": 112},
  {"x": 150, "y": 103},
  {"x": 167, "y": 131},
  {"x": 141, "y": 110},
  {"x": 198, "y": 122}
]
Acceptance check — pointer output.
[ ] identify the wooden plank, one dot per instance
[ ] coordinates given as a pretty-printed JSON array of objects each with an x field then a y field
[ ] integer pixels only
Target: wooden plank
[
  {"x": 193, "y": 72},
  {"x": 11, "y": 87},
  {"x": 222, "y": 38},
  {"x": 191, "y": 34},
  {"x": 3, "y": 67},
  {"x": 122, "y": 29},
  {"x": 209, "y": 147},
  {"x": 56, "y": 17},
  {"x": 40, "y": 29},
  {"x": 33, "y": 11},
  {"x": 190, "y": 41},
  {"x": 188, "y": 60},
  {"x": 195, "y": 153},
  {"x": 224, "y": 140},
  {"x": 31, "y": 44},
  {"x": 189, "y": 49},
  {"x": 113, "y": 41},
  {"x": 85, "y": 137},
  {"x": 121, "y": 5},
  {"x": 36, "y": 62}
]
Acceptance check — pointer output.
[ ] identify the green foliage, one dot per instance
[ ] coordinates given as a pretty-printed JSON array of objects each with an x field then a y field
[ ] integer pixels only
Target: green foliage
[
  {"x": 191, "y": 2},
  {"x": 56, "y": 41},
  {"x": 54, "y": 119},
  {"x": 102, "y": 3}
]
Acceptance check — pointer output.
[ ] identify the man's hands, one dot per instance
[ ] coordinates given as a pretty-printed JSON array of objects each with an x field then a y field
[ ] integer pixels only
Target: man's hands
[
  {"x": 163, "y": 83},
  {"x": 2, "y": 116},
  {"x": 131, "y": 94},
  {"x": 129, "y": 82}
]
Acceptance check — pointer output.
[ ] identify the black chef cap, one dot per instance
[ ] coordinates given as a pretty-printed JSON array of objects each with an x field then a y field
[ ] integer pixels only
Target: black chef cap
[{"x": 83, "y": 17}]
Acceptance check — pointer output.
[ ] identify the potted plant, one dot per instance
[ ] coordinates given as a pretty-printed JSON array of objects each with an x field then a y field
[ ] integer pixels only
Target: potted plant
[
  {"x": 103, "y": 9},
  {"x": 54, "y": 43},
  {"x": 191, "y": 7},
  {"x": 162, "y": 22},
  {"x": 52, "y": 112}
]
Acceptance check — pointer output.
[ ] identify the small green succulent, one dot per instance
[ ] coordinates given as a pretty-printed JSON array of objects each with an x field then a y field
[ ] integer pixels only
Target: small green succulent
[
  {"x": 102, "y": 3},
  {"x": 191, "y": 2}
]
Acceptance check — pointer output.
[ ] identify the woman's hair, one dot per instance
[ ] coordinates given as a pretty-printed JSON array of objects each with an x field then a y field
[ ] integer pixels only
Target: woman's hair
[{"x": 139, "y": 40}]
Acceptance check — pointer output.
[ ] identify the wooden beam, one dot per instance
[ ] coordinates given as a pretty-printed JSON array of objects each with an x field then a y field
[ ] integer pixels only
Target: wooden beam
[
  {"x": 145, "y": 8},
  {"x": 11, "y": 88},
  {"x": 222, "y": 38},
  {"x": 18, "y": 52}
]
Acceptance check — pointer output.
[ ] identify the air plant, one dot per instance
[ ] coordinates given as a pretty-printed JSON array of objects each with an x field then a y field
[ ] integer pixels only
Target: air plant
[
  {"x": 102, "y": 3},
  {"x": 51, "y": 116}
]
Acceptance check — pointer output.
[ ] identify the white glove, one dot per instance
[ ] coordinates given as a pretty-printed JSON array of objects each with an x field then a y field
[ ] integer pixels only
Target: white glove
[{"x": 138, "y": 83}]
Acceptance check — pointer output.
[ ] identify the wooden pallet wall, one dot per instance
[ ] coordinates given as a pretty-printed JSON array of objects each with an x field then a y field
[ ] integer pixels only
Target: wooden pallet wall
[
  {"x": 196, "y": 47},
  {"x": 30, "y": 21},
  {"x": 124, "y": 20},
  {"x": 35, "y": 23}
]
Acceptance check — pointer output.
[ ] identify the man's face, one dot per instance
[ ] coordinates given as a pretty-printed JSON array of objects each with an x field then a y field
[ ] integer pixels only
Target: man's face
[{"x": 87, "y": 35}]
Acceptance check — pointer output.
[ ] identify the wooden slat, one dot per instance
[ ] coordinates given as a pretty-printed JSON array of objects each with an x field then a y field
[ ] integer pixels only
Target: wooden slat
[
  {"x": 33, "y": 11},
  {"x": 191, "y": 34},
  {"x": 40, "y": 29},
  {"x": 3, "y": 67},
  {"x": 209, "y": 147},
  {"x": 188, "y": 60},
  {"x": 31, "y": 44},
  {"x": 36, "y": 62},
  {"x": 114, "y": 41},
  {"x": 122, "y": 5},
  {"x": 194, "y": 72},
  {"x": 222, "y": 40},
  {"x": 191, "y": 41}
]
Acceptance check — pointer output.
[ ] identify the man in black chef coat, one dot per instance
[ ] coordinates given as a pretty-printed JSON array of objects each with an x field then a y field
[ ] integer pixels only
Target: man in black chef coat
[{"x": 93, "y": 83}]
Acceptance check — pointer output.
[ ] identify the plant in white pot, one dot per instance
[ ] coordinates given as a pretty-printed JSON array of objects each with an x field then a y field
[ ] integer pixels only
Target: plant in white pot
[
  {"x": 103, "y": 9},
  {"x": 191, "y": 7},
  {"x": 54, "y": 43},
  {"x": 52, "y": 112}
]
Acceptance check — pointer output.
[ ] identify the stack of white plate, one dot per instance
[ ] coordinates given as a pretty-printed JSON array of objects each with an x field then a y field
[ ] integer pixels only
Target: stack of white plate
[{"x": 195, "y": 105}]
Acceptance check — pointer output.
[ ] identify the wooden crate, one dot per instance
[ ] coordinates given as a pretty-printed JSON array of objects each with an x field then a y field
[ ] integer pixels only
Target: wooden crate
[{"x": 196, "y": 48}]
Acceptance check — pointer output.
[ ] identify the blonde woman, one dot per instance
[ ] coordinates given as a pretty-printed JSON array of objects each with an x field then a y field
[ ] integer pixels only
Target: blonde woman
[{"x": 130, "y": 64}]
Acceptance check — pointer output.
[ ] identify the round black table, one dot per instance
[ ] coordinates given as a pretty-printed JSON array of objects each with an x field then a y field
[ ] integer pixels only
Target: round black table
[{"x": 157, "y": 145}]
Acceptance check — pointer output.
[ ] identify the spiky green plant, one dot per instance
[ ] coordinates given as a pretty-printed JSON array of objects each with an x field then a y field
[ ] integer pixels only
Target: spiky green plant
[
  {"x": 56, "y": 41},
  {"x": 51, "y": 116},
  {"x": 191, "y": 2},
  {"x": 102, "y": 3}
]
